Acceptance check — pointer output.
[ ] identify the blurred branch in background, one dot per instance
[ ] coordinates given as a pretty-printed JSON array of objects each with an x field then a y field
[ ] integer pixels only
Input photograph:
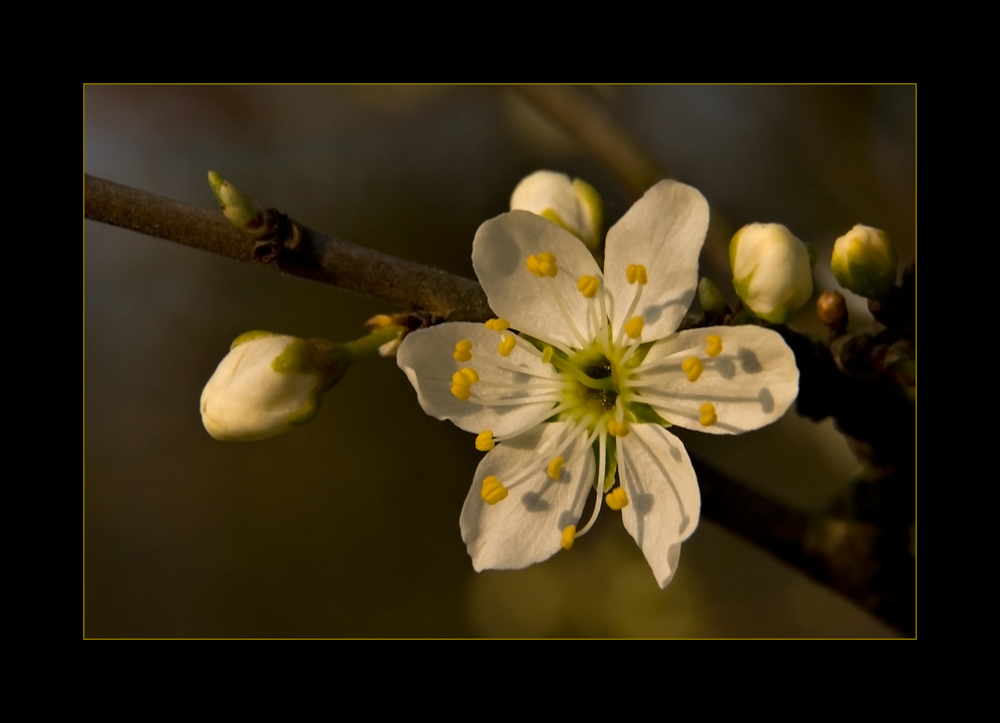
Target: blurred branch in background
[
  {"x": 860, "y": 547},
  {"x": 585, "y": 117}
]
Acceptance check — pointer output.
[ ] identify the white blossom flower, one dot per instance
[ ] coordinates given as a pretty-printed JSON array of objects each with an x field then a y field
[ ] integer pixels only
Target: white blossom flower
[
  {"x": 265, "y": 385},
  {"x": 589, "y": 381}
]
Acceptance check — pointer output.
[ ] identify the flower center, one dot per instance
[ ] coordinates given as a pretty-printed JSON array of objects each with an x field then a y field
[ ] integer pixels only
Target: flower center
[{"x": 592, "y": 386}]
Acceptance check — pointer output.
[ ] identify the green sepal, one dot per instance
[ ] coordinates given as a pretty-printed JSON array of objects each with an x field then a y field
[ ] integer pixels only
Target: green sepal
[
  {"x": 640, "y": 354},
  {"x": 551, "y": 215},
  {"x": 743, "y": 289},
  {"x": 778, "y": 315},
  {"x": 642, "y": 413},
  {"x": 307, "y": 411},
  {"x": 732, "y": 253},
  {"x": 250, "y": 336},
  {"x": 813, "y": 255},
  {"x": 295, "y": 359}
]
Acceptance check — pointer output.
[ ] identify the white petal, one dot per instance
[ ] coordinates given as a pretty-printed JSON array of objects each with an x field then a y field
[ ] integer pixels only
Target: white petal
[
  {"x": 427, "y": 358},
  {"x": 499, "y": 255},
  {"x": 663, "y": 231},
  {"x": 527, "y": 526},
  {"x": 751, "y": 383},
  {"x": 662, "y": 489}
]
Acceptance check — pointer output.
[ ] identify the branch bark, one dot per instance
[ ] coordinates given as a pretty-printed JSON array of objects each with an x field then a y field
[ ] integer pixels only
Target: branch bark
[
  {"x": 868, "y": 561},
  {"x": 315, "y": 256}
]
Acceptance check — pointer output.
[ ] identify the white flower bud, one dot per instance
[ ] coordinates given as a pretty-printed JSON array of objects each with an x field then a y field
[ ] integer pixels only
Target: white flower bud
[
  {"x": 864, "y": 261},
  {"x": 574, "y": 205},
  {"x": 772, "y": 272},
  {"x": 265, "y": 385}
]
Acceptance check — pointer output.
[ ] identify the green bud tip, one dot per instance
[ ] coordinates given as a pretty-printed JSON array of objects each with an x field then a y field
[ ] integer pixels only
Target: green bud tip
[
  {"x": 239, "y": 209},
  {"x": 710, "y": 297},
  {"x": 864, "y": 261}
]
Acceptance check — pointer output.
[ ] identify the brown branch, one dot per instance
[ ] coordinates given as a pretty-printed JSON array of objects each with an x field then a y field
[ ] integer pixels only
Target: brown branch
[
  {"x": 315, "y": 256},
  {"x": 868, "y": 562}
]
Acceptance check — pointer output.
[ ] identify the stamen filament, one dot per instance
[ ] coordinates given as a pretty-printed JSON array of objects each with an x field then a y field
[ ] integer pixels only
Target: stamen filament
[
  {"x": 574, "y": 371},
  {"x": 513, "y": 402},
  {"x": 534, "y": 384},
  {"x": 535, "y": 422},
  {"x": 602, "y": 334},
  {"x": 629, "y": 314},
  {"x": 560, "y": 442},
  {"x": 566, "y": 315},
  {"x": 602, "y": 457}
]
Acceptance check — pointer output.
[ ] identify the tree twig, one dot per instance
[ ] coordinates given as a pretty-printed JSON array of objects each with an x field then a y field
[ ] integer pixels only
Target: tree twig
[
  {"x": 315, "y": 256},
  {"x": 867, "y": 561}
]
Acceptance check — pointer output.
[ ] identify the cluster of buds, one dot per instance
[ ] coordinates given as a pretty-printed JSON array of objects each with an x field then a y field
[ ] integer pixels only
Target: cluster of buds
[{"x": 269, "y": 383}]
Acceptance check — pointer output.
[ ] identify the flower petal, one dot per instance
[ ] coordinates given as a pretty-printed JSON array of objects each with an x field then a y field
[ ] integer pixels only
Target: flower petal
[
  {"x": 428, "y": 358},
  {"x": 664, "y": 500},
  {"x": 749, "y": 384},
  {"x": 664, "y": 232},
  {"x": 527, "y": 526},
  {"x": 499, "y": 254}
]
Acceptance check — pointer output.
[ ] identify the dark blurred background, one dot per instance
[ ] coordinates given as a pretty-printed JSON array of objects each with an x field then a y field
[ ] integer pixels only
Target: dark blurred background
[{"x": 349, "y": 526}]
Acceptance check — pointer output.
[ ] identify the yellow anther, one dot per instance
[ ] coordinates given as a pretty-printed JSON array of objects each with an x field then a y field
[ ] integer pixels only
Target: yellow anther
[
  {"x": 463, "y": 350},
  {"x": 588, "y": 286},
  {"x": 547, "y": 355},
  {"x": 533, "y": 266},
  {"x": 555, "y": 467},
  {"x": 492, "y": 491},
  {"x": 713, "y": 345},
  {"x": 498, "y": 324},
  {"x": 636, "y": 272},
  {"x": 484, "y": 441},
  {"x": 461, "y": 381},
  {"x": 616, "y": 499},
  {"x": 634, "y": 327},
  {"x": 693, "y": 367},
  {"x": 568, "y": 536},
  {"x": 708, "y": 417},
  {"x": 547, "y": 265},
  {"x": 507, "y": 344},
  {"x": 617, "y": 429}
]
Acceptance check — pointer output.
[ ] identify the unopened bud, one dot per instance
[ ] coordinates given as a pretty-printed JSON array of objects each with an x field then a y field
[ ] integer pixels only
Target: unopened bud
[
  {"x": 771, "y": 271},
  {"x": 267, "y": 384},
  {"x": 239, "y": 209},
  {"x": 831, "y": 308},
  {"x": 864, "y": 261},
  {"x": 710, "y": 297},
  {"x": 574, "y": 205}
]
